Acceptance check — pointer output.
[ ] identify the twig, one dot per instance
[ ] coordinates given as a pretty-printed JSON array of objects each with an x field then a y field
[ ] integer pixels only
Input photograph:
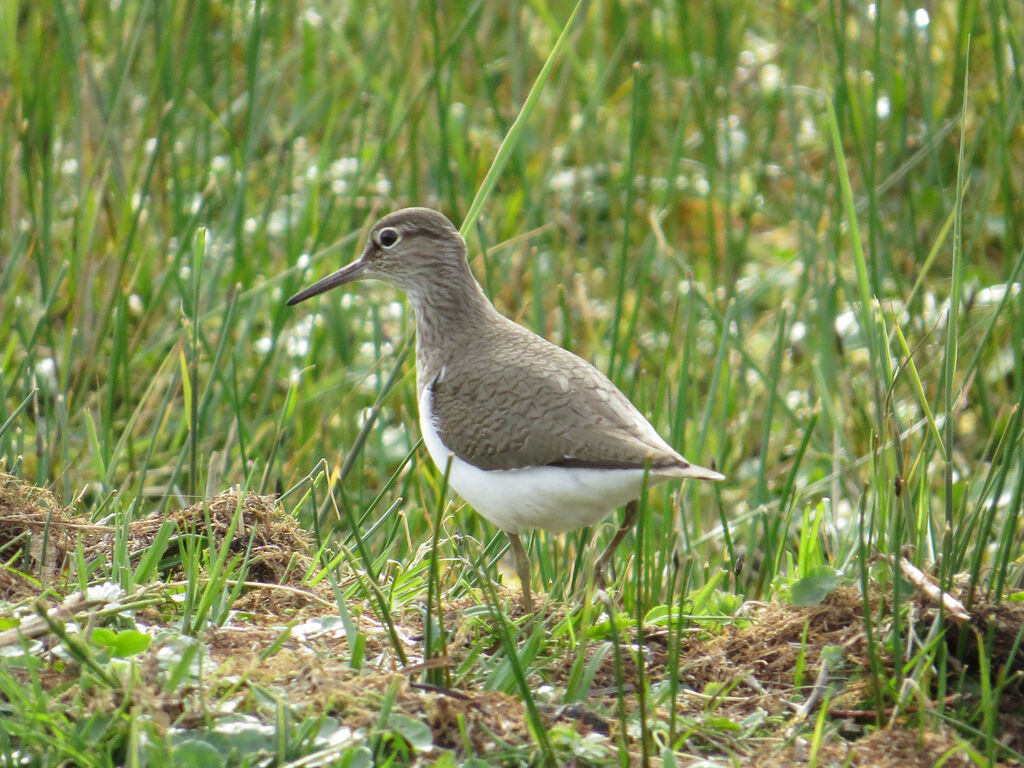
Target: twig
[
  {"x": 872, "y": 714},
  {"x": 930, "y": 589},
  {"x": 816, "y": 693}
]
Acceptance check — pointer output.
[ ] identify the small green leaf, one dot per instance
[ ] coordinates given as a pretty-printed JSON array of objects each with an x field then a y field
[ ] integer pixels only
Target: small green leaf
[
  {"x": 416, "y": 733},
  {"x": 357, "y": 757},
  {"x": 131, "y": 642},
  {"x": 723, "y": 724},
  {"x": 834, "y": 655},
  {"x": 194, "y": 753},
  {"x": 241, "y": 735},
  {"x": 103, "y": 636},
  {"x": 660, "y": 616},
  {"x": 816, "y": 586}
]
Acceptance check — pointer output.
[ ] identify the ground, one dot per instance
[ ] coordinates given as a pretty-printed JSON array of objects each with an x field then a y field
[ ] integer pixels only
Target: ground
[{"x": 733, "y": 695}]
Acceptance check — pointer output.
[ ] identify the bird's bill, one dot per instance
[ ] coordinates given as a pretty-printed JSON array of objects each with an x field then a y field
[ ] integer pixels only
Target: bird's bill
[{"x": 344, "y": 275}]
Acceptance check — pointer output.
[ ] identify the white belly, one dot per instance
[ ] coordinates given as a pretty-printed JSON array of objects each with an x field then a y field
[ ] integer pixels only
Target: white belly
[{"x": 551, "y": 498}]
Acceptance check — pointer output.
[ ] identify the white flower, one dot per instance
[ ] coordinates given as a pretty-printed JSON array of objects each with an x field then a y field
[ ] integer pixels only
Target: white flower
[{"x": 107, "y": 592}]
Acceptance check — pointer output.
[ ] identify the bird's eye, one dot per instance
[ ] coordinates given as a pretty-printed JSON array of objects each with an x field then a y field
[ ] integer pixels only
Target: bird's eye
[{"x": 388, "y": 237}]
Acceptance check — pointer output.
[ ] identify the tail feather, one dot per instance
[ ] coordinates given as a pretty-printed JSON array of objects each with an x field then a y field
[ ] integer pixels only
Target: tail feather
[{"x": 693, "y": 470}]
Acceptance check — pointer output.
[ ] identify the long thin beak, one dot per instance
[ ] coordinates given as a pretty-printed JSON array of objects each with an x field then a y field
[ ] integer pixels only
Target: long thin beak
[{"x": 344, "y": 275}]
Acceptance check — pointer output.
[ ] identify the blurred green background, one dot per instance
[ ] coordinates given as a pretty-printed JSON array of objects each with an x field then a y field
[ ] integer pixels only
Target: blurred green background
[{"x": 672, "y": 210}]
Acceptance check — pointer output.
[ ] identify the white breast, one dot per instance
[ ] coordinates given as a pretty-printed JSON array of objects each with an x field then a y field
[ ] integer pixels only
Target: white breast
[{"x": 551, "y": 498}]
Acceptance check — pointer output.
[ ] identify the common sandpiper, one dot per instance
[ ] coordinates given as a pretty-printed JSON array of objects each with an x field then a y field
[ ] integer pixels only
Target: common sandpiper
[{"x": 536, "y": 436}]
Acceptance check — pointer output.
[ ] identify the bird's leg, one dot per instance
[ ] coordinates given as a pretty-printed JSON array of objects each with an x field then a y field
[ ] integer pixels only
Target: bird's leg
[
  {"x": 523, "y": 570},
  {"x": 606, "y": 557}
]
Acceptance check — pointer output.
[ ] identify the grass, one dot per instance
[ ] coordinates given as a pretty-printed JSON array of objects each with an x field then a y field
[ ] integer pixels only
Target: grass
[{"x": 791, "y": 234}]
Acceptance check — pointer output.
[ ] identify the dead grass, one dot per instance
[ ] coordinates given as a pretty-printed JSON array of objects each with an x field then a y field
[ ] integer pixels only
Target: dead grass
[
  {"x": 37, "y": 536},
  {"x": 884, "y": 748},
  {"x": 758, "y": 662},
  {"x": 280, "y": 551}
]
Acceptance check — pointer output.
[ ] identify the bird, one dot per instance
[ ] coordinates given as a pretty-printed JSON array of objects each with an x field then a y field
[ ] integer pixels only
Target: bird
[{"x": 536, "y": 437}]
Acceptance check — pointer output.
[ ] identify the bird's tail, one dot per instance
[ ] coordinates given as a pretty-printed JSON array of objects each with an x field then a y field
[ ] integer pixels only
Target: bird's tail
[{"x": 698, "y": 472}]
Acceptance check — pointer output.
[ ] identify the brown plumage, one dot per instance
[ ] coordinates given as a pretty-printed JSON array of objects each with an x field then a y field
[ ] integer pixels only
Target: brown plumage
[{"x": 538, "y": 436}]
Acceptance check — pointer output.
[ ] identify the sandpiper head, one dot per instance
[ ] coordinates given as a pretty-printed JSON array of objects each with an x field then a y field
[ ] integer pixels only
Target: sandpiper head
[{"x": 407, "y": 248}]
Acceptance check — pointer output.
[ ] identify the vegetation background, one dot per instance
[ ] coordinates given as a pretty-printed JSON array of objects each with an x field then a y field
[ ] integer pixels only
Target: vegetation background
[{"x": 790, "y": 232}]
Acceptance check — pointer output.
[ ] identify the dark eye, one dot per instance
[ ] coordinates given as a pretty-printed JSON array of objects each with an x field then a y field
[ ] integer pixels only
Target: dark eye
[{"x": 388, "y": 237}]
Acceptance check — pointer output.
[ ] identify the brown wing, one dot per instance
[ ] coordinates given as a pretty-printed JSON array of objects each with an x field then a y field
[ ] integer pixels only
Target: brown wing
[{"x": 542, "y": 406}]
